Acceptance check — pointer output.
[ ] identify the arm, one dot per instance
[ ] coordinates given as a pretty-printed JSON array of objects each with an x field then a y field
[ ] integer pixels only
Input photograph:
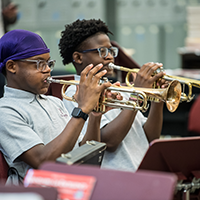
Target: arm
[
  {"x": 87, "y": 97},
  {"x": 116, "y": 130},
  {"x": 93, "y": 128},
  {"x": 153, "y": 125}
]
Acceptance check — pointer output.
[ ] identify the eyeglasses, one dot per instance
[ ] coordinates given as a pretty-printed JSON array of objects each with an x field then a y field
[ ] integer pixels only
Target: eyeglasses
[
  {"x": 41, "y": 64},
  {"x": 103, "y": 51}
]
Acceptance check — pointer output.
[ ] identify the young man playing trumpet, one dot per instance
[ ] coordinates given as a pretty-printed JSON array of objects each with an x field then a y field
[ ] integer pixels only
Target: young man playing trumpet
[
  {"x": 127, "y": 133},
  {"x": 34, "y": 127}
]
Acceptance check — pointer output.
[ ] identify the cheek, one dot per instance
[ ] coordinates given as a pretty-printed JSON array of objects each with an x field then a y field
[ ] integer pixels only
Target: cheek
[
  {"x": 32, "y": 79},
  {"x": 92, "y": 59}
]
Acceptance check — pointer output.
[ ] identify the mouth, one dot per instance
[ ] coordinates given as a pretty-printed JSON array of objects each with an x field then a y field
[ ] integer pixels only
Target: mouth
[
  {"x": 46, "y": 80},
  {"x": 108, "y": 69}
]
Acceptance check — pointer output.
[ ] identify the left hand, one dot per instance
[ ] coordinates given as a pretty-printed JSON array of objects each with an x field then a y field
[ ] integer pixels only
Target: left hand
[{"x": 113, "y": 95}]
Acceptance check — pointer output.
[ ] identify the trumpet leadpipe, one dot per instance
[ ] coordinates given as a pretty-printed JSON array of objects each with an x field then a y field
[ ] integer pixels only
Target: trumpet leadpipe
[
  {"x": 125, "y": 69},
  {"x": 64, "y": 82}
]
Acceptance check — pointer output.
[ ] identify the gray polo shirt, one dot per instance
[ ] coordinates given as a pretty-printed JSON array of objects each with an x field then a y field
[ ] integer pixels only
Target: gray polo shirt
[{"x": 26, "y": 120}]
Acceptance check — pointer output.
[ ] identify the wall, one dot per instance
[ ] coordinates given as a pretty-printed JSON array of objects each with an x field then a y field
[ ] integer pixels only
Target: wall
[{"x": 151, "y": 29}]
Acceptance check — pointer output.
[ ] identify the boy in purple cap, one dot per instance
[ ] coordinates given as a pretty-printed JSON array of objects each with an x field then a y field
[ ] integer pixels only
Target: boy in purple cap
[{"x": 34, "y": 127}]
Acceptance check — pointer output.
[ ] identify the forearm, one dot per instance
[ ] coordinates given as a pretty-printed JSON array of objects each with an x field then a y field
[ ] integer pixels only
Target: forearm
[
  {"x": 93, "y": 129},
  {"x": 63, "y": 143},
  {"x": 153, "y": 125},
  {"x": 116, "y": 130}
]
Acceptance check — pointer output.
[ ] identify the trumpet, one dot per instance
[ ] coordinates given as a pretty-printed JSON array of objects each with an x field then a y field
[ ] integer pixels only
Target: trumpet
[
  {"x": 170, "y": 95},
  {"x": 184, "y": 81}
]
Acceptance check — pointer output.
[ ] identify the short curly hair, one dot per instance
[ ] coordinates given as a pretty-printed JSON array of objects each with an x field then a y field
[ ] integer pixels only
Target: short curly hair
[{"x": 75, "y": 33}]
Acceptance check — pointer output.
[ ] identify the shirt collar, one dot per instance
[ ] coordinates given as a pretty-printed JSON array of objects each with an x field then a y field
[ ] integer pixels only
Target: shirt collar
[
  {"x": 77, "y": 77},
  {"x": 21, "y": 94}
]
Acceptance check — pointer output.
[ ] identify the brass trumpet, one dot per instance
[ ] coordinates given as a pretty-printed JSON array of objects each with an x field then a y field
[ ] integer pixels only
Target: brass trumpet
[
  {"x": 184, "y": 81},
  {"x": 170, "y": 95}
]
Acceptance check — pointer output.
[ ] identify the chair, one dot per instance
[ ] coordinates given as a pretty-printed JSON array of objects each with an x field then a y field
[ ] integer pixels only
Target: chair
[
  {"x": 55, "y": 88},
  {"x": 3, "y": 169},
  {"x": 193, "y": 118}
]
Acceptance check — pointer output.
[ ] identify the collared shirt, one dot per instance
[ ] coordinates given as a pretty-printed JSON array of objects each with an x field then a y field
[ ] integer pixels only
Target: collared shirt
[
  {"x": 133, "y": 147},
  {"x": 28, "y": 120}
]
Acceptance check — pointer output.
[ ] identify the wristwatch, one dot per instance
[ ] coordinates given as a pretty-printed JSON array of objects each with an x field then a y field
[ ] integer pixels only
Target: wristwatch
[{"x": 78, "y": 113}]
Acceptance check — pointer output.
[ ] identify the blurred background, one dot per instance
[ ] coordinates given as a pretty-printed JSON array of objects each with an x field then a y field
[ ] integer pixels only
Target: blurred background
[
  {"x": 149, "y": 30},
  {"x": 166, "y": 31}
]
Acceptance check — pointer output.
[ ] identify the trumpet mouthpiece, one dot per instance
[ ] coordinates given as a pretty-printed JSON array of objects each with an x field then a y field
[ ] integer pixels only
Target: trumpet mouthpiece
[
  {"x": 49, "y": 80},
  {"x": 113, "y": 66}
]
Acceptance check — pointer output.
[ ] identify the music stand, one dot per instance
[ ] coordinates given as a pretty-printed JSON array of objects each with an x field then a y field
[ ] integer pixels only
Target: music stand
[
  {"x": 178, "y": 155},
  {"x": 118, "y": 185},
  {"x": 46, "y": 193}
]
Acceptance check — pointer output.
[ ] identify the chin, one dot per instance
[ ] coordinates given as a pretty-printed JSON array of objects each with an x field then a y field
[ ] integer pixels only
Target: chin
[
  {"x": 109, "y": 73},
  {"x": 43, "y": 90}
]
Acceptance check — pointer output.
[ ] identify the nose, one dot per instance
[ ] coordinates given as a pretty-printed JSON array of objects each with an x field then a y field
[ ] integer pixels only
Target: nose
[
  {"x": 47, "y": 68},
  {"x": 109, "y": 56}
]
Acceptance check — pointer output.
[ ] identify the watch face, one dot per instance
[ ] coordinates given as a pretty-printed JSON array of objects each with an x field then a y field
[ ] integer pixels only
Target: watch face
[{"x": 76, "y": 111}]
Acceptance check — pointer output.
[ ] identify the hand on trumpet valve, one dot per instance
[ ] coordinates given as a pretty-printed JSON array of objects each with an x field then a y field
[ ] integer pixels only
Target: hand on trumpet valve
[
  {"x": 113, "y": 95},
  {"x": 148, "y": 74},
  {"x": 162, "y": 83},
  {"x": 89, "y": 89},
  {"x": 110, "y": 95}
]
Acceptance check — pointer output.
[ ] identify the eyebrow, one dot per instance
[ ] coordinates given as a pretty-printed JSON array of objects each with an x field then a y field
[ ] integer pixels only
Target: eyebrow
[{"x": 40, "y": 58}]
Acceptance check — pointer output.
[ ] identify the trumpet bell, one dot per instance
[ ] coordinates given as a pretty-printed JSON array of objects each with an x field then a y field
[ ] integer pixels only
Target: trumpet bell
[{"x": 173, "y": 95}]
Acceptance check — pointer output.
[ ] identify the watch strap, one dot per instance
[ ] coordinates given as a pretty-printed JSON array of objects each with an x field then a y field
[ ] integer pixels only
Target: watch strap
[{"x": 78, "y": 113}]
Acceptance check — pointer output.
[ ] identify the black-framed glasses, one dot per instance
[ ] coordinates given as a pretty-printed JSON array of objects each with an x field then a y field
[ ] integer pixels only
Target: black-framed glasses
[
  {"x": 41, "y": 64},
  {"x": 103, "y": 51}
]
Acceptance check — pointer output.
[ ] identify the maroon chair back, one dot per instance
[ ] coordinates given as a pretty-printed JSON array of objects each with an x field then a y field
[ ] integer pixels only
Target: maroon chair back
[
  {"x": 124, "y": 60},
  {"x": 193, "y": 117},
  {"x": 55, "y": 88},
  {"x": 3, "y": 168}
]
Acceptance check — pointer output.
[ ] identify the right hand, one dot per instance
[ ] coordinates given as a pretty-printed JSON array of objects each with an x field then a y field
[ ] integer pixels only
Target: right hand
[
  {"x": 89, "y": 90},
  {"x": 145, "y": 77}
]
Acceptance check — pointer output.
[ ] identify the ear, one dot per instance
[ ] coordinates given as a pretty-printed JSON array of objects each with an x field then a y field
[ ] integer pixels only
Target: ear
[
  {"x": 11, "y": 66},
  {"x": 77, "y": 57}
]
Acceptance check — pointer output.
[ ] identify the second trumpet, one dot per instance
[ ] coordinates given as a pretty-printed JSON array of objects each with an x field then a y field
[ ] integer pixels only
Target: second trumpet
[{"x": 184, "y": 81}]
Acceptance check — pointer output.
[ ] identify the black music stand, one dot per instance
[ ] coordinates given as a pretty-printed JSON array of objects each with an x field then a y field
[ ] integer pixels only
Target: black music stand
[
  {"x": 178, "y": 155},
  {"x": 118, "y": 185}
]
